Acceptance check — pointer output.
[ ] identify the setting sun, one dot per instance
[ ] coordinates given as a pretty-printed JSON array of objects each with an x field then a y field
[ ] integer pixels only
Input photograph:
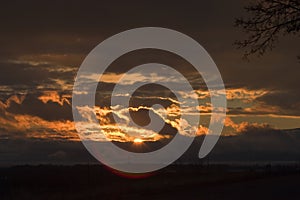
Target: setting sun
[{"x": 137, "y": 140}]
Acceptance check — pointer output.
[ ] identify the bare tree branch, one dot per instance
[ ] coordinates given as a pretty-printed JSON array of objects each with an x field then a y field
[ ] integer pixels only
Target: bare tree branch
[{"x": 269, "y": 19}]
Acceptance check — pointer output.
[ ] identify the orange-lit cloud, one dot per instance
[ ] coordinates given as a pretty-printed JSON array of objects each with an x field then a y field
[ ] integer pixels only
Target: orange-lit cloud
[
  {"x": 240, "y": 127},
  {"x": 36, "y": 127},
  {"x": 121, "y": 132},
  {"x": 245, "y": 94},
  {"x": 54, "y": 97},
  {"x": 17, "y": 99},
  {"x": 28, "y": 126},
  {"x": 231, "y": 94},
  {"x": 202, "y": 130},
  {"x": 261, "y": 107},
  {"x": 51, "y": 62}
]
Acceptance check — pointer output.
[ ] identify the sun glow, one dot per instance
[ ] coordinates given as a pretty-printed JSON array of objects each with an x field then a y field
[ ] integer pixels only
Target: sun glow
[{"x": 138, "y": 141}]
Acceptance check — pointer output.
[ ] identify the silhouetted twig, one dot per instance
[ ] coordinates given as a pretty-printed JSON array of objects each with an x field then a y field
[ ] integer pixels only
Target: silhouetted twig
[{"x": 269, "y": 19}]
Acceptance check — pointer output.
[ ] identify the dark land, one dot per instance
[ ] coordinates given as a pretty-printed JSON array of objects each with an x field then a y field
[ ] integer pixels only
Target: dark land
[{"x": 214, "y": 181}]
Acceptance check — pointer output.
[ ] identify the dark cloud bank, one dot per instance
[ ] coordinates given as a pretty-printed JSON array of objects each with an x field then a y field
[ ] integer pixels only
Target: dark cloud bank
[{"x": 252, "y": 146}]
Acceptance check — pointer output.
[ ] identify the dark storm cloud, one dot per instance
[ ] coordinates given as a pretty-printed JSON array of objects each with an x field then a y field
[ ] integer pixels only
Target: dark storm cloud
[
  {"x": 21, "y": 74},
  {"x": 50, "y": 110},
  {"x": 288, "y": 101},
  {"x": 63, "y": 27},
  {"x": 26, "y": 76},
  {"x": 37, "y": 28}
]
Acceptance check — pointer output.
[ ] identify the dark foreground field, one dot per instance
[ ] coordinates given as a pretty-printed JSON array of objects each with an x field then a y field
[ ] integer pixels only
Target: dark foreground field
[{"x": 175, "y": 182}]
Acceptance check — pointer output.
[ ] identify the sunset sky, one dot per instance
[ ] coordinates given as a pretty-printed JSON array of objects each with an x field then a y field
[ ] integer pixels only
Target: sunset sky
[{"x": 44, "y": 44}]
